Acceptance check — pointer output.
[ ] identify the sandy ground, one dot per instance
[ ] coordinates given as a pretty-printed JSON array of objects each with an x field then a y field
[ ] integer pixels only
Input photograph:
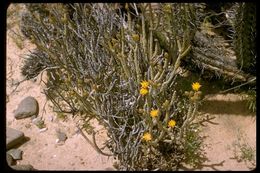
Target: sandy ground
[
  {"x": 41, "y": 150},
  {"x": 234, "y": 124}
]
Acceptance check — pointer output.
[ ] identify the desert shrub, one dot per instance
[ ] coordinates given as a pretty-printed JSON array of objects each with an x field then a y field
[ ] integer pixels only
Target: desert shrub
[
  {"x": 33, "y": 64},
  {"x": 122, "y": 69}
]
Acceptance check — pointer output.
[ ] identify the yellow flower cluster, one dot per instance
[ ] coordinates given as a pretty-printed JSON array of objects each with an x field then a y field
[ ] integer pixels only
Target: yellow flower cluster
[
  {"x": 144, "y": 84},
  {"x": 147, "y": 136},
  {"x": 143, "y": 91},
  {"x": 144, "y": 88},
  {"x": 154, "y": 113},
  {"x": 196, "y": 86},
  {"x": 171, "y": 123}
]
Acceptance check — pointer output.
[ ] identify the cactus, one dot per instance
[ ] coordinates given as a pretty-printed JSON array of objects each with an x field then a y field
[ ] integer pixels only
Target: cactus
[
  {"x": 222, "y": 47},
  {"x": 115, "y": 71},
  {"x": 245, "y": 37}
]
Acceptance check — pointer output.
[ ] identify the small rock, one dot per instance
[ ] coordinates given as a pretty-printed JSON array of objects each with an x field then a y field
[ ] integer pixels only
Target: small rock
[
  {"x": 61, "y": 136},
  {"x": 60, "y": 142},
  {"x": 23, "y": 167},
  {"x": 27, "y": 126},
  {"x": 16, "y": 154},
  {"x": 13, "y": 137},
  {"x": 36, "y": 120},
  {"x": 43, "y": 129},
  {"x": 39, "y": 122},
  {"x": 9, "y": 159},
  {"x": 27, "y": 108},
  {"x": 50, "y": 118},
  {"x": 57, "y": 140}
]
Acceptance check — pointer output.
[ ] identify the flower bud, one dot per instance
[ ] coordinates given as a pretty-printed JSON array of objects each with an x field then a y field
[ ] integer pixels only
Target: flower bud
[
  {"x": 166, "y": 55},
  {"x": 165, "y": 104},
  {"x": 141, "y": 111},
  {"x": 135, "y": 37},
  {"x": 186, "y": 93}
]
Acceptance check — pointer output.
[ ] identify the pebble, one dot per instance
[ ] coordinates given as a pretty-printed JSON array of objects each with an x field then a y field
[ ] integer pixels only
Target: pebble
[
  {"x": 50, "y": 118},
  {"x": 43, "y": 129},
  {"x": 61, "y": 136},
  {"x": 58, "y": 142},
  {"x": 38, "y": 122},
  {"x": 16, "y": 154},
  {"x": 27, "y": 126}
]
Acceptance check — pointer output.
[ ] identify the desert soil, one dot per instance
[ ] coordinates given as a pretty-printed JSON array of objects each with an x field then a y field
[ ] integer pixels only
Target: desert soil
[{"x": 232, "y": 121}]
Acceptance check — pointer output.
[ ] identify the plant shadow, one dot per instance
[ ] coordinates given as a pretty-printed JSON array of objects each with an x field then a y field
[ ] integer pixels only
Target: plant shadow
[
  {"x": 225, "y": 107},
  {"x": 200, "y": 167}
]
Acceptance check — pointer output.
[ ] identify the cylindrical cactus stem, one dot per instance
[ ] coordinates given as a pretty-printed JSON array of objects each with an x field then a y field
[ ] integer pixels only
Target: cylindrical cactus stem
[
  {"x": 136, "y": 62},
  {"x": 186, "y": 51},
  {"x": 186, "y": 28},
  {"x": 186, "y": 121},
  {"x": 179, "y": 45},
  {"x": 160, "y": 126},
  {"x": 147, "y": 109},
  {"x": 124, "y": 65},
  {"x": 182, "y": 52},
  {"x": 143, "y": 40},
  {"x": 172, "y": 99},
  {"x": 164, "y": 69},
  {"x": 129, "y": 20},
  {"x": 161, "y": 135},
  {"x": 166, "y": 119},
  {"x": 155, "y": 52},
  {"x": 150, "y": 45},
  {"x": 192, "y": 116},
  {"x": 165, "y": 84}
]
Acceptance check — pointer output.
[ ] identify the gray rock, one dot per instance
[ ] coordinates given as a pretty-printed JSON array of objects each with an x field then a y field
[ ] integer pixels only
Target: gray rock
[
  {"x": 16, "y": 154},
  {"x": 13, "y": 137},
  {"x": 61, "y": 136},
  {"x": 23, "y": 167},
  {"x": 9, "y": 159},
  {"x": 27, "y": 108}
]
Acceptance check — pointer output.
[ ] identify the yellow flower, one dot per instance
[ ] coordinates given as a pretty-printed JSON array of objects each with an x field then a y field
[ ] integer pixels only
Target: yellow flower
[
  {"x": 171, "y": 123},
  {"x": 143, "y": 91},
  {"x": 145, "y": 84},
  {"x": 154, "y": 113},
  {"x": 196, "y": 86},
  {"x": 147, "y": 136}
]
